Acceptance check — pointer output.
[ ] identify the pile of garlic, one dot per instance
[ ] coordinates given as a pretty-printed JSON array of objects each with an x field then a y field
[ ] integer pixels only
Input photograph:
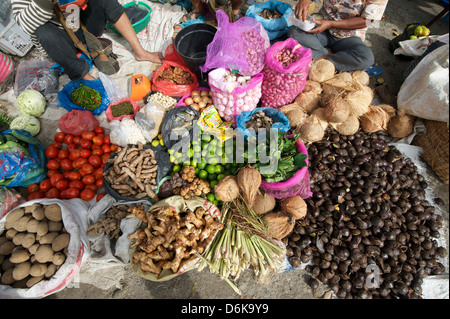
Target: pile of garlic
[{"x": 166, "y": 101}]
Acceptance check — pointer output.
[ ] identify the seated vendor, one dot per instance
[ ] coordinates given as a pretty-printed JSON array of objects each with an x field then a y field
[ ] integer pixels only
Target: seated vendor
[
  {"x": 340, "y": 36},
  {"x": 36, "y": 18}
]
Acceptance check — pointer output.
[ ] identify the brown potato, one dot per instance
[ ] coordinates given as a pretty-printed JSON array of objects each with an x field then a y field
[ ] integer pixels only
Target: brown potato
[
  {"x": 19, "y": 256},
  {"x": 58, "y": 258},
  {"x": 44, "y": 253},
  {"x": 7, "y": 277},
  {"x": 7, "y": 264},
  {"x": 32, "y": 249},
  {"x": 32, "y": 225},
  {"x": 14, "y": 215},
  {"x": 55, "y": 226},
  {"x": 38, "y": 270},
  {"x": 28, "y": 240},
  {"x": 10, "y": 233},
  {"x": 38, "y": 213},
  {"x": 51, "y": 270},
  {"x": 31, "y": 208},
  {"x": 21, "y": 270},
  {"x": 60, "y": 242},
  {"x": 7, "y": 247},
  {"x": 17, "y": 240},
  {"x": 48, "y": 238},
  {"x": 42, "y": 228},
  {"x": 53, "y": 212},
  {"x": 21, "y": 224},
  {"x": 33, "y": 281}
]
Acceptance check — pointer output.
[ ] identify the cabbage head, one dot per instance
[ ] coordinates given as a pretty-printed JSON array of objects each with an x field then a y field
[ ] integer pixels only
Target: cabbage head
[
  {"x": 31, "y": 102},
  {"x": 26, "y": 122}
]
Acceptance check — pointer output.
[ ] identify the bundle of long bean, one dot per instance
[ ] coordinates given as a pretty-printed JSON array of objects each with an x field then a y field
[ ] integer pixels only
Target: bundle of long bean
[{"x": 243, "y": 243}]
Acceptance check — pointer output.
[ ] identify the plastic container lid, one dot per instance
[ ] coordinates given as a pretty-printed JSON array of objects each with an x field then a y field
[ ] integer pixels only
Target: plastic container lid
[{"x": 303, "y": 25}]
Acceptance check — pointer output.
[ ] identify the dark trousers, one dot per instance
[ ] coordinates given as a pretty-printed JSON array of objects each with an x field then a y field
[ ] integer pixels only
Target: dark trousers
[
  {"x": 58, "y": 45},
  {"x": 348, "y": 54}
]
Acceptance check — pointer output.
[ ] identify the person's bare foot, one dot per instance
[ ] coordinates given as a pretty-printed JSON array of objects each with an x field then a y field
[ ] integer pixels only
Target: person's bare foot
[
  {"x": 155, "y": 57},
  {"x": 88, "y": 77}
]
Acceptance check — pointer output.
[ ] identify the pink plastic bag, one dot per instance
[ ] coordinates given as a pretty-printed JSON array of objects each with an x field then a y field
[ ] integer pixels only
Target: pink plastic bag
[
  {"x": 240, "y": 46},
  {"x": 282, "y": 84},
  {"x": 109, "y": 115},
  {"x": 299, "y": 184}
]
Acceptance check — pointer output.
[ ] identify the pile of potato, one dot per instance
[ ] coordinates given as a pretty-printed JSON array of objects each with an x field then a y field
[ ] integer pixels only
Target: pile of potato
[{"x": 33, "y": 245}]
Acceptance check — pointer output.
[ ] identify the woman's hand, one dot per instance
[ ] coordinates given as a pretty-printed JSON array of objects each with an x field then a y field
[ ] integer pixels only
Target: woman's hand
[
  {"x": 301, "y": 9},
  {"x": 321, "y": 25}
]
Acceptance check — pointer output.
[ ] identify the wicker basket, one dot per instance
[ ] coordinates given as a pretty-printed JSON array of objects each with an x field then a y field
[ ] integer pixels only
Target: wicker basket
[{"x": 435, "y": 147}]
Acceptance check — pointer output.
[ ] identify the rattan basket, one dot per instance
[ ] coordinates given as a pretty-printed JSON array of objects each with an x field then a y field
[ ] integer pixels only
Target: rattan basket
[{"x": 435, "y": 147}]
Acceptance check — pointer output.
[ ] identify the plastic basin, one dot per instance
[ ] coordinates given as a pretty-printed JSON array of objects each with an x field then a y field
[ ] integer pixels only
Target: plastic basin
[{"x": 140, "y": 25}]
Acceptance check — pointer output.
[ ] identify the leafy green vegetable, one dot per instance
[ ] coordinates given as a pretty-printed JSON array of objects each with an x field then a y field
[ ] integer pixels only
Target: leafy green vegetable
[
  {"x": 26, "y": 122},
  {"x": 86, "y": 97},
  {"x": 31, "y": 102}
]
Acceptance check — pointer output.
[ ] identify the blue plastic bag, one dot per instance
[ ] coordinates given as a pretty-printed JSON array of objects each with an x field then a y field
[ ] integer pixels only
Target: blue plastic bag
[
  {"x": 20, "y": 168},
  {"x": 275, "y": 27},
  {"x": 65, "y": 94},
  {"x": 282, "y": 122}
]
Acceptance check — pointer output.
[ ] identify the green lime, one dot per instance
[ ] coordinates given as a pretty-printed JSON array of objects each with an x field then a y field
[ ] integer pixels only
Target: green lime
[
  {"x": 178, "y": 154},
  {"x": 213, "y": 160},
  {"x": 212, "y": 184},
  {"x": 202, "y": 164},
  {"x": 197, "y": 148},
  {"x": 211, "y": 169},
  {"x": 220, "y": 177},
  {"x": 203, "y": 174},
  {"x": 219, "y": 169},
  {"x": 213, "y": 142},
  {"x": 212, "y": 177},
  {"x": 176, "y": 168},
  {"x": 227, "y": 166},
  {"x": 206, "y": 137},
  {"x": 193, "y": 163},
  {"x": 196, "y": 171},
  {"x": 216, "y": 202},
  {"x": 210, "y": 197},
  {"x": 190, "y": 152}
]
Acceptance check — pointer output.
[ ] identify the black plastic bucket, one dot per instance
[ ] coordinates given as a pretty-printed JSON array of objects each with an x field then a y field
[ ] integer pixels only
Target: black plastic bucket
[{"x": 191, "y": 43}]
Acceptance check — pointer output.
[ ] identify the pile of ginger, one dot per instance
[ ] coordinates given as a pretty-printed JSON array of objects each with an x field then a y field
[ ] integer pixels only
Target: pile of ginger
[{"x": 170, "y": 238}]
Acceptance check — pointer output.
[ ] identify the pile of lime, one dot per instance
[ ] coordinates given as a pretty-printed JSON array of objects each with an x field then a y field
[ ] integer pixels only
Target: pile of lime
[{"x": 420, "y": 31}]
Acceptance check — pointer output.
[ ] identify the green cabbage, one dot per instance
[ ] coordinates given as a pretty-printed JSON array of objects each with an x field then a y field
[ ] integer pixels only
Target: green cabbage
[
  {"x": 31, "y": 102},
  {"x": 26, "y": 122}
]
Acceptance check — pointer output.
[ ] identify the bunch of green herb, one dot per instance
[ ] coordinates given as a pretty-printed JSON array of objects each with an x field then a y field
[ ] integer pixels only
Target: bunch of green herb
[
  {"x": 5, "y": 121},
  {"x": 123, "y": 108},
  {"x": 86, "y": 97}
]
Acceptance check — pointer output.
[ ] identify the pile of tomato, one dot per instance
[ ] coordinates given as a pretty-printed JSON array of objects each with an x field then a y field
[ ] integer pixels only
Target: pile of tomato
[{"x": 75, "y": 166}]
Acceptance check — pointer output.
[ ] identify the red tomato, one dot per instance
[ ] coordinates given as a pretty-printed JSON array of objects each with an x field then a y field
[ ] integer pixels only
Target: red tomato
[
  {"x": 97, "y": 140},
  {"x": 87, "y": 194},
  {"x": 85, "y": 153},
  {"x": 63, "y": 194},
  {"x": 45, "y": 185},
  {"x": 72, "y": 192},
  {"x": 97, "y": 151},
  {"x": 51, "y": 152},
  {"x": 55, "y": 178},
  {"x": 52, "y": 193},
  {"x": 51, "y": 172},
  {"x": 52, "y": 164},
  {"x": 105, "y": 157},
  {"x": 33, "y": 188},
  {"x": 95, "y": 160},
  {"x": 91, "y": 186},
  {"x": 59, "y": 137},
  {"x": 76, "y": 184},
  {"x": 114, "y": 147},
  {"x": 62, "y": 184},
  {"x": 74, "y": 175},
  {"x": 68, "y": 139},
  {"x": 82, "y": 173},
  {"x": 99, "y": 182},
  {"x": 98, "y": 173},
  {"x": 95, "y": 147},
  {"x": 79, "y": 162},
  {"x": 66, "y": 164},
  {"x": 88, "y": 135},
  {"x": 87, "y": 168},
  {"x": 71, "y": 147},
  {"x": 107, "y": 139},
  {"x": 99, "y": 130},
  {"x": 86, "y": 144},
  {"x": 100, "y": 196},
  {"x": 58, "y": 145},
  {"x": 106, "y": 148},
  {"x": 88, "y": 179},
  {"x": 76, "y": 153},
  {"x": 77, "y": 140},
  {"x": 66, "y": 174},
  {"x": 35, "y": 195},
  {"x": 62, "y": 154}
]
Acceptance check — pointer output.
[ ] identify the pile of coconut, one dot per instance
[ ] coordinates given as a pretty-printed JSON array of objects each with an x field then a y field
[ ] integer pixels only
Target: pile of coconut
[{"x": 342, "y": 101}]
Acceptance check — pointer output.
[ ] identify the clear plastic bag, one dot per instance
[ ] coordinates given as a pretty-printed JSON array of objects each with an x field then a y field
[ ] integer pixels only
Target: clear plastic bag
[
  {"x": 149, "y": 120},
  {"x": 36, "y": 75}
]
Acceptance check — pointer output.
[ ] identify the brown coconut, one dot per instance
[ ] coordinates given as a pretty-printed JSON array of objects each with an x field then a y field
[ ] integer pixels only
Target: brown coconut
[
  {"x": 360, "y": 99},
  {"x": 362, "y": 77},
  {"x": 263, "y": 203},
  {"x": 308, "y": 101},
  {"x": 321, "y": 70},
  {"x": 320, "y": 113},
  {"x": 312, "y": 130},
  {"x": 389, "y": 109},
  {"x": 227, "y": 189},
  {"x": 337, "y": 110},
  {"x": 376, "y": 119},
  {"x": 295, "y": 113},
  {"x": 248, "y": 180},
  {"x": 279, "y": 224},
  {"x": 340, "y": 84},
  {"x": 312, "y": 86},
  {"x": 294, "y": 205},
  {"x": 349, "y": 127},
  {"x": 401, "y": 125}
]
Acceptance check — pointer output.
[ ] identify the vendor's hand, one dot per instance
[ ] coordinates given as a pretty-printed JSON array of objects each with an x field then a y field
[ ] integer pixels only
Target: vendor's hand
[
  {"x": 321, "y": 25},
  {"x": 301, "y": 9}
]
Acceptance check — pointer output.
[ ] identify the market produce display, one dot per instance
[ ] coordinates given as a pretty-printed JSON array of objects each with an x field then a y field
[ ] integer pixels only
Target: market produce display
[
  {"x": 110, "y": 225},
  {"x": 33, "y": 245},
  {"x": 175, "y": 75},
  {"x": 86, "y": 97}
]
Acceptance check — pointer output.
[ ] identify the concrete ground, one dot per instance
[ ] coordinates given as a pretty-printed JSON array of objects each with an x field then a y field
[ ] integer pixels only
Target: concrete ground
[{"x": 291, "y": 284}]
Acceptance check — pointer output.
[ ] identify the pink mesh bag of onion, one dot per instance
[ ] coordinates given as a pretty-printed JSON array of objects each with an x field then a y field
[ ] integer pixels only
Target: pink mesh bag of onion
[
  {"x": 299, "y": 184},
  {"x": 240, "y": 46},
  {"x": 285, "y": 72}
]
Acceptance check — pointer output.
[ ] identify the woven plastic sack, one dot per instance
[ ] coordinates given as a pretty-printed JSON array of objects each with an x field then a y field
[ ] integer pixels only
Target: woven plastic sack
[
  {"x": 240, "y": 46},
  {"x": 299, "y": 184},
  {"x": 76, "y": 122},
  {"x": 282, "y": 85},
  {"x": 232, "y": 101},
  {"x": 169, "y": 88},
  {"x": 281, "y": 124},
  {"x": 66, "y": 93},
  {"x": 275, "y": 27}
]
